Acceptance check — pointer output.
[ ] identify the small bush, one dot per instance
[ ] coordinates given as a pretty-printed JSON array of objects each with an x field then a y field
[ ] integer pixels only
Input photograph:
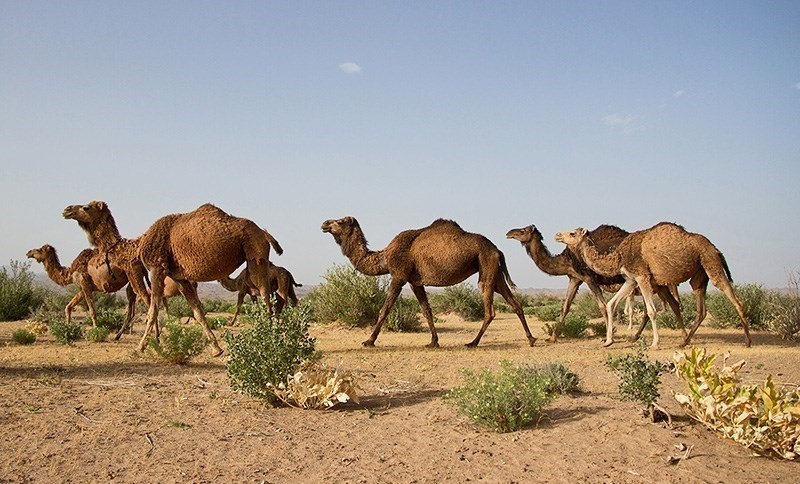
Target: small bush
[
  {"x": 639, "y": 378},
  {"x": 756, "y": 307},
  {"x": 64, "y": 332},
  {"x": 505, "y": 401},
  {"x": 263, "y": 356},
  {"x": 23, "y": 337},
  {"x": 110, "y": 319},
  {"x": 562, "y": 380},
  {"x": 179, "y": 307},
  {"x": 36, "y": 327},
  {"x": 597, "y": 329},
  {"x": 316, "y": 386},
  {"x": 18, "y": 296},
  {"x": 178, "y": 343},
  {"x": 586, "y": 305},
  {"x": 218, "y": 306},
  {"x": 96, "y": 334},
  {"x": 462, "y": 299},
  {"x": 784, "y": 318},
  {"x": 550, "y": 312},
  {"x": 347, "y": 296},
  {"x": 575, "y": 326},
  {"x": 404, "y": 316},
  {"x": 667, "y": 319}
]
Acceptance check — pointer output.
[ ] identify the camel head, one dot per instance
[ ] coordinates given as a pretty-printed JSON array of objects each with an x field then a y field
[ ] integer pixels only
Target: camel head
[
  {"x": 524, "y": 235},
  {"x": 41, "y": 253},
  {"x": 341, "y": 228},
  {"x": 572, "y": 237},
  {"x": 91, "y": 216}
]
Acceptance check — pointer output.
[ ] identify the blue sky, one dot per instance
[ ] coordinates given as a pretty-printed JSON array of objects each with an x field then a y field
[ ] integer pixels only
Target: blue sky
[{"x": 495, "y": 114}]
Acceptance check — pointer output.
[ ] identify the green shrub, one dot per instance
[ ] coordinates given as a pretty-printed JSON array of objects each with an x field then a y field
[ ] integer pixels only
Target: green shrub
[
  {"x": 179, "y": 343},
  {"x": 639, "y": 378},
  {"x": 18, "y": 295},
  {"x": 261, "y": 357},
  {"x": 179, "y": 307},
  {"x": 218, "y": 306},
  {"x": 756, "y": 307},
  {"x": 108, "y": 302},
  {"x": 96, "y": 334},
  {"x": 110, "y": 319},
  {"x": 505, "y": 401},
  {"x": 550, "y": 312},
  {"x": 561, "y": 380},
  {"x": 575, "y": 326},
  {"x": 666, "y": 318},
  {"x": 586, "y": 305},
  {"x": 64, "y": 332},
  {"x": 23, "y": 337},
  {"x": 347, "y": 296},
  {"x": 597, "y": 329},
  {"x": 785, "y": 315},
  {"x": 404, "y": 316},
  {"x": 462, "y": 299}
]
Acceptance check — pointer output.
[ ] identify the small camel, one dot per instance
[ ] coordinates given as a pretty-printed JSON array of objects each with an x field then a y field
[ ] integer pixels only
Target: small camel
[
  {"x": 282, "y": 284},
  {"x": 89, "y": 279},
  {"x": 441, "y": 254},
  {"x": 663, "y": 255},
  {"x": 203, "y": 245},
  {"x": 568, "y": 264}
]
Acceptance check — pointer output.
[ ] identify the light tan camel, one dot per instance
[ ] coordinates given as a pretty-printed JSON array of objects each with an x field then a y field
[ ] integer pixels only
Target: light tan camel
[
  {"x": 205, "y": 244},
  {"x": 568, "y": 264},
  {"x": 441, "y": 254},
  {"x": 97, "y": 222},
  {"x": 87, "y": 276},
  {"x": 662, "y": 255},
  {"x": 282, "y": 284}
]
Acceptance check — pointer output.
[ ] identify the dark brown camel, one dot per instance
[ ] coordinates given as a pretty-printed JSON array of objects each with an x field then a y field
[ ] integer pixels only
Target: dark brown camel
[
  {"x": 665, "y": 254},
  {"x": 203, "y": 245},
  {"x": 568, "y": 264},
  {"x": 441, "y": 254},
  {"x": 282, "y": 284}
]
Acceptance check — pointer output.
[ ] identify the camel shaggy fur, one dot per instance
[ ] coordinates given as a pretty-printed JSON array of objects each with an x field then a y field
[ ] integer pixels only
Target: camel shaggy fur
[
  {"x": 281, "y": 283},
  {"x": 441, "y": 254},
  {"x": 665, "y": 254},
  {"x": 568, "y": 264},
  {"x": 205, "y": 244},
  {"x": 89, "y": 277}
]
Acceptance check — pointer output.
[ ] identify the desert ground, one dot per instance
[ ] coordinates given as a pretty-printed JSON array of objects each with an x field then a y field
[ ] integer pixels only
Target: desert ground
[{"x": 97, "y": 412}]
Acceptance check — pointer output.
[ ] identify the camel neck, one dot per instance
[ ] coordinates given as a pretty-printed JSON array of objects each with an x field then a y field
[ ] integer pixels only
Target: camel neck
[
  {"x": 364, "y": 260},
  {"x": 103, "y": 235},
  {"x": 56, "y": 272},
  {"x": 554, "y": 266}
]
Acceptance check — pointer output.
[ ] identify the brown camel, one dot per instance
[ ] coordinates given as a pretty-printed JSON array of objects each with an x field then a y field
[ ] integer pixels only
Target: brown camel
[
  {"x": 282, "y": 284},
  {"x": 97, "y": 222},
  {"x": 203, "y": 245},
  {"x": 441, "y": 254},
  {"x": 663, "y": 255},
  {"x": 89, "y": 277},
  {"x": 568, "y": 264}
]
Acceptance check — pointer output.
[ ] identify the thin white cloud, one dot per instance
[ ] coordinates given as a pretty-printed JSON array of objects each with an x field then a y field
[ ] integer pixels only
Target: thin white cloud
[
  {"x": 350, "y": 67},
  {"x": 679, "y": 93}
]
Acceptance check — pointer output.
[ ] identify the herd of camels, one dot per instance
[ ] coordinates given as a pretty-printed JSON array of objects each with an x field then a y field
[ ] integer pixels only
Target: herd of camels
[{"x": 207, "y": 244}]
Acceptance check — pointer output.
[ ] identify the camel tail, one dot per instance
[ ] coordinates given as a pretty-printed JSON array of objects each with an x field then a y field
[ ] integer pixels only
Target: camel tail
[
  {"x": 725, "y": 266},
  {"x": 504, "y": 268},
  {"x": 274, "y": 243},
  {"x": 295, "y": 283}
]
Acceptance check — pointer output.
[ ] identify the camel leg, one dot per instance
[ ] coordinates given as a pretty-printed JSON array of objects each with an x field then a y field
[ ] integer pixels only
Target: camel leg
[
  {"x": 611, "y": 306},
  {"x": 239, "y": 301},
  {"x": 647, "y": 294},
  {"x": 88, "y": 288},
  {"x": 77, "y": 298},
  {"x": 128, "y": 324},
  {"x": 725, "y": 286},
  {"x": 157, "y": 288},
  {"x": 629, "y": 304},
  {"x": 422, "y": 297},
  {"x": 699, "y": 283},
  {"x": 505, "y": 291},
  {"x": 668, "y": 297},
  {"x": 391, "y": 297},
  {"x": 258, "y": 269},
  {"x": 572, "y": 289},
  {"x": 487, "y": 292},
  {"x": 189, "y": 292}
]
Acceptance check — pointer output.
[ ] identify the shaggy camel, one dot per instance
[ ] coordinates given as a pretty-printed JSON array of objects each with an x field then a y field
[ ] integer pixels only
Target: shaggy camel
[
  {"x": 97, "y": 222},
  {"x": 665, "y": 254},
  {"x": 441, "y": 254},
  {"x": 205, "y": 244},
  {"x": 568, "y": 264},
  {"x": 87, "y": 276},
  {"x": 281, "y": 283}
]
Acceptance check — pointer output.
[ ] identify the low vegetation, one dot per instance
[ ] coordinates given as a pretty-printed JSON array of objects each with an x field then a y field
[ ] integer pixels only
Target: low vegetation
[
  {"x": 64, "y": 332},
  {"x": 178, "y": 343},
  {"x": 763, "y": 418},
  {"x": 96, "y": 334},
  {"x": 18, "y": 293},
  {"x": 639, "y": 378},
  {"x": 23, "y": 337},
  {"x": 317, "y": 386}
]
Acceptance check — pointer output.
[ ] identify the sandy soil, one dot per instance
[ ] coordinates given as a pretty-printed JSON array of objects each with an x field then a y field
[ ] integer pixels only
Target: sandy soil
[{"x": 96, "y": 412}]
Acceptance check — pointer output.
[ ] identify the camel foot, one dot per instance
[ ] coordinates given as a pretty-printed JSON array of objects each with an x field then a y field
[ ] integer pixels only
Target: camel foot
[
  {"x": 217, "y": 352},
  {"x": 532, "y": 340},
  {"x": 368, "y": 343},
  {"x": 471, "y": 344},
  {"x": 432, "y": 344},
  {"x": 633, "y": 339},
  {"x": 553, "y": 339},
  {"x": 747, "y": 344},
  {"x": 608, "y": 343}
]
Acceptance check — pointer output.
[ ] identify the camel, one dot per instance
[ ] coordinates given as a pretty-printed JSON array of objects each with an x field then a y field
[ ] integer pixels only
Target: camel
[
  {"x": 568, "y": 264},
  {"x": 203, "y": 245},
  {"x": 97, "y": 222},
  {"x": 441, "y": 254},
  {"x": 282, "y": 283},
  {"x": 662, "y": 255},
  {"x": 87, "y": 276}
]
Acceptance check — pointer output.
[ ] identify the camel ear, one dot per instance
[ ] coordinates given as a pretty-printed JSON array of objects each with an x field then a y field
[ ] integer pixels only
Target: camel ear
[
  {"x": 580, "y": 231},
  {"x": 101, "y": 206}
]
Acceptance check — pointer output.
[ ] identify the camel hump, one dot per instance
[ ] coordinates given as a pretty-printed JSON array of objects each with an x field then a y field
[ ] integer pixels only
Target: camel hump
[{"x": 441, "y": 222}]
